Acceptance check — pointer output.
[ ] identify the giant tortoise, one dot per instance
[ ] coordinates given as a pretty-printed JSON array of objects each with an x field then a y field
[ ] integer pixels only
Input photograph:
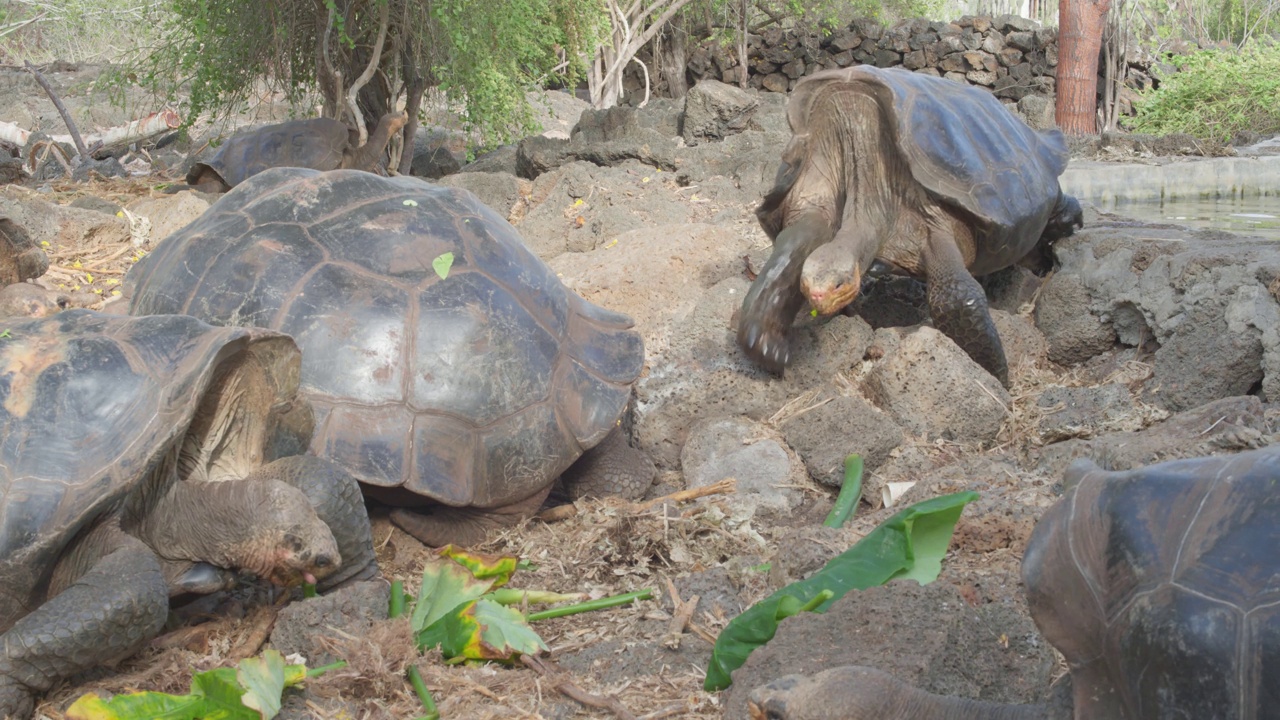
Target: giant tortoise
[
  {"x": 316, "y": 143},
  {"x": 446, "y": 363},
  {"x": 890, "y": 171},
  {"x": 22, "y": 260},
  {"x": 1160, "y": 586},
  {"x": 133, "y": 467}
]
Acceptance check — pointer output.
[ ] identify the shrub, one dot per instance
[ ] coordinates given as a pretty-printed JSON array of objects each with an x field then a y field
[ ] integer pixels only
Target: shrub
[{"x": 1216, "y": 94}]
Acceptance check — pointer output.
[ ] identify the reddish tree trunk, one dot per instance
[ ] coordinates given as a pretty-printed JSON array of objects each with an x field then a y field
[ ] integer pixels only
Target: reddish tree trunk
[{"x": 1080, "y": 24}]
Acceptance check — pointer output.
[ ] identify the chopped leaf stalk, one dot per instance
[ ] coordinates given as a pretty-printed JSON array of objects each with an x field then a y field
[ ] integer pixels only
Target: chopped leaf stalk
[
  {"x": 591, "y": 605},
  {"x": 850, "y": 493}
]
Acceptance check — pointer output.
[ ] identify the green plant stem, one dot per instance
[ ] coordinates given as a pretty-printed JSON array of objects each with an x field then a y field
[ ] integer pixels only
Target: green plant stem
[
  {"x": 850, "y": 493},
  {"x": 396, "y": 608},
  {"x": 590, "y": 605},
  {"x": 420, "y": 688},
  {"x": 318, "y": 671},
  {"x": 817, "y": 600},
  {"x": 308, "y": 590}
]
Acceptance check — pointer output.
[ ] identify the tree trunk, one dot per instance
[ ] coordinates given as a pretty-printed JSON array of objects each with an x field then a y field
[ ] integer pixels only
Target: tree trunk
[{"x": 1080, "y": 24}]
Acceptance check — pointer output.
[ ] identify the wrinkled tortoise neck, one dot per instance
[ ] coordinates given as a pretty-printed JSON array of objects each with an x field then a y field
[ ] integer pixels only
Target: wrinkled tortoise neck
[
  {"x": 366, "y": 156},
  {"x": 228, "y": 523}
]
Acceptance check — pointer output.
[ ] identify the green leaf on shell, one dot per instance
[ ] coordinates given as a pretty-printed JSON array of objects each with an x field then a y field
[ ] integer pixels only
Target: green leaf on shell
[
  {"x": 911, "y": 544},
  {"x": 442, "y": 263}
]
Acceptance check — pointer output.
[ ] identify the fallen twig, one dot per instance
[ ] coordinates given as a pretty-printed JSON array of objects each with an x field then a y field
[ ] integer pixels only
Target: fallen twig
[
  {"x": 561, "y": 681},
  {"x": 680, "y": 618},
  {"x": 62, "y": 110}
]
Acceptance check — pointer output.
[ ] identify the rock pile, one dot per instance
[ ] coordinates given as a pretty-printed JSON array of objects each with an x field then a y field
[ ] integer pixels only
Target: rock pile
[{"x": 1012, "y": 55}]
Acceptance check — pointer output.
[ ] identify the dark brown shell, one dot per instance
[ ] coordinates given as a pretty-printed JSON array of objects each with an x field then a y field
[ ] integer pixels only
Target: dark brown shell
[
  {"x": 317, "y": 143},
  {"x": 89, "y": 404},
  {"x": 475, "y": 386},
  {"x": 1161, "y": 587}
]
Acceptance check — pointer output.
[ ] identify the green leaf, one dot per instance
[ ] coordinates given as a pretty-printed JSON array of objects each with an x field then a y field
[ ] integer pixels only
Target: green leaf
[
  {"x": 498, "y": 568},
  {"x": 263, "y": 681},
  {"x": 485, "y": 630},
  {"x": 442, "y": 264},
  {"x": 445, "y": 586},
  {"x": 215, "y": 695},
  {"x": 911, "y": 544},
  {"x": 137, "y": 706}
]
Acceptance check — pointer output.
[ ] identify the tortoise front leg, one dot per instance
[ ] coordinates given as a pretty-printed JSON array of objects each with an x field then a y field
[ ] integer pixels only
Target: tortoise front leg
[
  {"x": 106, "y": 614},
  {"x": 958, "y": 303},
  {"x": 770, "y": 308}
]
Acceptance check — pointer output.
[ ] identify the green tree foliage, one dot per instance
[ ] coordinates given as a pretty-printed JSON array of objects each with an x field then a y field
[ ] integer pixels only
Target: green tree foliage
[
  {"x": 1216, "y": 94},
  {"x": 482, "y": 55}
]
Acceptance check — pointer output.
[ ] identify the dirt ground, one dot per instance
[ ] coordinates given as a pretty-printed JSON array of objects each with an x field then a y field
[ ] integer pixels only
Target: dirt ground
[{"x": 607, "y": 547}]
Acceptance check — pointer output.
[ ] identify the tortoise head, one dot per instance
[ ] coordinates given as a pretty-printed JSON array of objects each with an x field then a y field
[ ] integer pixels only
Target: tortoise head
[
  {"x": 831, "y": 277},
  {"x": 30, "y": 301},
  {"x": 293, "y": 544}
]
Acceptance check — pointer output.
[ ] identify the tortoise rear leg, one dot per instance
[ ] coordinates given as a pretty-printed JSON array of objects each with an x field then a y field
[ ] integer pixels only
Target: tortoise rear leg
[
  {"x": 106, "y": 614},
  {"x": 958, "y": 303},
  {"x": 443, "y": 525},
  {"x": 610, "y": 469}
]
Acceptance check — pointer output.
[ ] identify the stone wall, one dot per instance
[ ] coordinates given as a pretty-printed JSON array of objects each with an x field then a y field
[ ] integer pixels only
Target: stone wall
[{"x": 1010, "y": 55}]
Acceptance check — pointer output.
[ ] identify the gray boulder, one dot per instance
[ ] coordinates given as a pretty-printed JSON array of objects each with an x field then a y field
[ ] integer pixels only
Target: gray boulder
[
  {"x": 1205, "y": 300},
  {"x": 714, "y": 110}
]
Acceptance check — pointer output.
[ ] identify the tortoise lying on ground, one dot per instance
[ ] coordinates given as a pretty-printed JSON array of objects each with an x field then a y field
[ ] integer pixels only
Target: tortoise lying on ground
[
  {"x": 21, "y": 260},
  {"x": 446, "y": 363},
  {"x": 894, "y": 171},
  {"x": 131, "y": 470},
  {"x": 1160, "y": 586},
  {"x": 316, "y": 143}
]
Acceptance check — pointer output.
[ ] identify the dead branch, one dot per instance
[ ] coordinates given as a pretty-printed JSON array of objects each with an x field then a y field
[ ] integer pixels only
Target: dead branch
[
  {"x": 561, "y": 681},
  {"x": 62, "y": 110},
  {"x": 725, "y": 486},
  {"x": 680, "y": 618},
  {"x": 369, "y": 70}
]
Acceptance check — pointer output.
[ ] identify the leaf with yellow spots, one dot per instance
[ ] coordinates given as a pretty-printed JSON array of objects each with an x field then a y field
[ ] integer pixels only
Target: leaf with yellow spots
[
  {"x": 498, "y": 568},
  {"x": 483, "y": 630}
]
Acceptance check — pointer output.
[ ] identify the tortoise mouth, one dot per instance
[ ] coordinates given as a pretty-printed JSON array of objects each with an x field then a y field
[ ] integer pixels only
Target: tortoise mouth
[{"x": 828, "y": 297}]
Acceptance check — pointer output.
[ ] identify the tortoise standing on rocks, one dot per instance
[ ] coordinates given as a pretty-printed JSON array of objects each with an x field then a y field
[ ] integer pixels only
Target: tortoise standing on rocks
[
  {"x": 1160, "y": 586},
  {"x": 134, "y": 467},
  {"x": 446, "y": 363},
  {"x": 894, "y": 171},
  {"x": 316, "y": 143}
]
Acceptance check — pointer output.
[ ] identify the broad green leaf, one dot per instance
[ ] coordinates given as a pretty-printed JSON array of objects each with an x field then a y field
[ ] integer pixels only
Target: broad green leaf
[
  {"x": 499, "y": 568},
  {"x": 445, "y": 586},
  {"x": 442, "y": 263},
  {"x": 137, "y": 706},
  {"x": 215, "y": 695},
  {"x": 485, "y": 630},
  {"x": 222, "y": 695},
  {"x": 911, "y": 544},
  {"x": 263, "y": 681}
]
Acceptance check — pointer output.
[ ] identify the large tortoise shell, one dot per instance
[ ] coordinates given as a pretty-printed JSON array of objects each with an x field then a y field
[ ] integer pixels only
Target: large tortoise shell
[
  {"x": 475, "y": 385},
  {"x": 1161, "y": 587},
  {"x": 960, "y": 144},
  {"x": 90, "y": 406},
  {"x": 316, "y": 143}
]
